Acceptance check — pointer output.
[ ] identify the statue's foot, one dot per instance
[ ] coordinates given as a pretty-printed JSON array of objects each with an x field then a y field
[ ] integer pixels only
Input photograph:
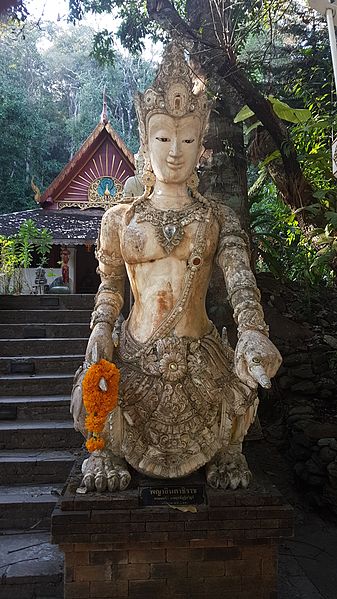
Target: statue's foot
[
  {"x": 103, "y": 471},
  {"x": 228, "y": 470}
]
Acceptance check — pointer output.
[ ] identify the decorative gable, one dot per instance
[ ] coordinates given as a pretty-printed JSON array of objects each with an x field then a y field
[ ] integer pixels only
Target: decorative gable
[{"x": 95, "y": 176}]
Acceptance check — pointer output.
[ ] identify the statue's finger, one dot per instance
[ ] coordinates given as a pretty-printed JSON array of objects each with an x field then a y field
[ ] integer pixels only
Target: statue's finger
[
  {"x": 103, "y": 385},
  {"x": 94, "y": 353},
  {"x": 258, "y": 373}
]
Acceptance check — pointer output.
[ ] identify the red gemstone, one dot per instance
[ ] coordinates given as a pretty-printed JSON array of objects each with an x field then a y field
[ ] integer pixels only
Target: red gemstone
[{"x": 196, "y": 261}]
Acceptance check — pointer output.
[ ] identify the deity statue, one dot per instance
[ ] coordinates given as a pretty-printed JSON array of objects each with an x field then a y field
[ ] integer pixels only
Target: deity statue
[
  {"x": 134, "y": 185},
  {"x": 186, "y": 398}
]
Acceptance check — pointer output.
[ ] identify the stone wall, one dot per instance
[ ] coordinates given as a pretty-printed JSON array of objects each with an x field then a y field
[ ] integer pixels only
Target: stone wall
[{"x": 302, "y": 418}]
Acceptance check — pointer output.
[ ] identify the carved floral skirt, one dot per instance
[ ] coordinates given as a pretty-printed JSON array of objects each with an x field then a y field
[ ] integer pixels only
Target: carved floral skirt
[{"x": 178, "y": 398}]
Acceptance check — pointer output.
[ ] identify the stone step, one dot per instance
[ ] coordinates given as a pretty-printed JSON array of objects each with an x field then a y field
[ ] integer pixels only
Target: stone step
[
  {"x": 43, "y": 407},
  {"x": 43, "y": 331},
  {"x": 40, "y": 364},
  {"x": 27, "y": 506},
  {"x": 47, "y": 302},
  {"x": 30, "y": 567},
  {"x": 51, "y": 316},
  {"x": 47, "y": 384},
  {"x": 35, "y": 466},
  {"x": 28, "y": 434},
  {"x": 43, "y": 347}
]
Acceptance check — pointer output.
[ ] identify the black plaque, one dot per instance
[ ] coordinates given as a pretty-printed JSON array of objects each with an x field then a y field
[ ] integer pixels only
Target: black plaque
[{"x": 173, "y": 495}]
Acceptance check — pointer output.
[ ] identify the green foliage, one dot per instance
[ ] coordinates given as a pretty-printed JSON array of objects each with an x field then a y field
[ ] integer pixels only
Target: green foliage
[
  {"x": 43, "y": 243},
  {"x": 281, "y": 109},
  {"x": 51, "y": 100},
  {"x": 16, "y": 253},
  {"x": 287, "y": 113},
  {"x": 280, "y": 245},
  {"x": 104, "y": 47},
  {"x": 25, "y": 241},
  {"x": 8, "y": 263}
]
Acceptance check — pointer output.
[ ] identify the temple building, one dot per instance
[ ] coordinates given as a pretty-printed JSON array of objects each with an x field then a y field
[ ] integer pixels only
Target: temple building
[{"x": 73, "y": 205}]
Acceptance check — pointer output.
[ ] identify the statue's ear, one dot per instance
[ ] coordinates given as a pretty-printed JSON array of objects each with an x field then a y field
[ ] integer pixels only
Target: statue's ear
[{"x": 201, "y": 151}]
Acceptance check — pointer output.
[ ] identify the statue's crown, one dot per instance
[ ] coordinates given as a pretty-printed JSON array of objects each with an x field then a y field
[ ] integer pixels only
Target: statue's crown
[{"x": 174, "y": 92}]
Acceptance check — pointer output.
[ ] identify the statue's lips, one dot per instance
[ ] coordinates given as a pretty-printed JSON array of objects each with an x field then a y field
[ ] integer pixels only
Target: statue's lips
[{"x": 175, "y": 165}]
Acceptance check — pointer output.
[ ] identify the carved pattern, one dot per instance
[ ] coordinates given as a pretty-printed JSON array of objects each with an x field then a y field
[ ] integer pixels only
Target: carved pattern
[
  {"x": 172, "y": 415},
  {"x": 95, "y": 198},
  {"x": 173, "y": 92},
  {"x": 169, "y": 224}
]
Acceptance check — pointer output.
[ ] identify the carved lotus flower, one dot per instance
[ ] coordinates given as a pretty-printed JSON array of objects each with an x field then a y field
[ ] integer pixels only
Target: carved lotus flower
[{"x": 173, "y": 366}]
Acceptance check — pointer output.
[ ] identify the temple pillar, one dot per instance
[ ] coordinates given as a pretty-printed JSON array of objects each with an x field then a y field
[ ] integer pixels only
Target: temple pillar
[
  {"x": 72, "y": 268},
  {"x": 138, "y": 544},
  {"x": 68, "y": 266}
]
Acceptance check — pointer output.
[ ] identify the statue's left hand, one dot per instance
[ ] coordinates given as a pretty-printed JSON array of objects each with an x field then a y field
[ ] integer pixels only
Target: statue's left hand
[{"x": 256, "y": 359}]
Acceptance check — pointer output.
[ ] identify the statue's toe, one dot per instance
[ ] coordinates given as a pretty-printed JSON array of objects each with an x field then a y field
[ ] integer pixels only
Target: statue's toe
[
  {"x": 213, "y": 476},
  {"x": 113, "y": 480},
  {"x": 89, "y": 481},
  {"x": 124, "y": 479},
  {"x": 100, "y": 482}
]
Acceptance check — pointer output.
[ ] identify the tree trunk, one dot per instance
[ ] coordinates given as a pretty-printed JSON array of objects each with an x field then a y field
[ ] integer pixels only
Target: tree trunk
[
  {"x": 205, "y": 34},
  {"x": 224, "y": 165}
]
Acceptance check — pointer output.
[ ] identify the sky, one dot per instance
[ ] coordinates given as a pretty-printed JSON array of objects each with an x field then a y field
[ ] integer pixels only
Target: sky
[{"x": 51, "y": 10}]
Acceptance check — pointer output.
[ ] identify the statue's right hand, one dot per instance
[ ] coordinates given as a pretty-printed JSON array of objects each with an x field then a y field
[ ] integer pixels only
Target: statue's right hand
[{"x": 100, "y": 344}]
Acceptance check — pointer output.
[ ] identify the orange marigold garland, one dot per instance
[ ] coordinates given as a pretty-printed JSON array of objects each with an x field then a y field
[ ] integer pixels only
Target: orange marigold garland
[{"x": 98, "y": 403}]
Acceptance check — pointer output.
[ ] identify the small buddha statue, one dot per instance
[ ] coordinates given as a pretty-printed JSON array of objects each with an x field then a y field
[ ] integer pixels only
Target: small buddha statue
[
  {"x": 134, "y": 185},
  {"x": 186, "y": 398}
]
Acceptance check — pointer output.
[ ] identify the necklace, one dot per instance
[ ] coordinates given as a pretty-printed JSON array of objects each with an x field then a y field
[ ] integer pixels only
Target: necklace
[{"x": 169, "y": 225}]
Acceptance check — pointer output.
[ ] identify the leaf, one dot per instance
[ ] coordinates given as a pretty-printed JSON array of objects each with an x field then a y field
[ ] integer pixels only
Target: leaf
[
  {"x": 184, "y": 508},
  {"x": 271, "y": 157},
  {"x": 312, "y": 208},
  {"x": 243, "y": 114},
  {"x": 286, "y": 113},
  {"x": 253, "y": 126},
  {"x": 331, "y": 217}
]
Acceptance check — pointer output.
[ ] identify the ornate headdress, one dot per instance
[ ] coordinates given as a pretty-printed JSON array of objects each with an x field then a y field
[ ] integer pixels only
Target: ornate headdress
[{"x": 173, "y": 92}]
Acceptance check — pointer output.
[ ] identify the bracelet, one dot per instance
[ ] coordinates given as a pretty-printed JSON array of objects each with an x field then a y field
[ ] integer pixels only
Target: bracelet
[
  {"x": 113, "y": 302},
  {"x": 261, "y": 328},
  {"x": 252, "y": 320},
  {"x": 114, "y": 276},
  {"x": 108, "y": 259},
  {"x": 247, "y": 305},
  {"x": 99, "y": 318},
  {"x": 107, "y": 288},
  {"x": 242, "y": 287}
]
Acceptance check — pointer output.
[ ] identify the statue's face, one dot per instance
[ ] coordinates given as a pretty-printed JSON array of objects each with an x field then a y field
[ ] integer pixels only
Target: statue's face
[{"x": 174, "y": 147}]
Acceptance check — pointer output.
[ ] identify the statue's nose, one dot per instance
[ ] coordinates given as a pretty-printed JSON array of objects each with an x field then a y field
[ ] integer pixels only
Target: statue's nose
[{"x": 175, "y": 149}]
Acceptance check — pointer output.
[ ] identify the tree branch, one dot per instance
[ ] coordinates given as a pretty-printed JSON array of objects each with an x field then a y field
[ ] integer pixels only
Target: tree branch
[{"x": 217, "y": 60}]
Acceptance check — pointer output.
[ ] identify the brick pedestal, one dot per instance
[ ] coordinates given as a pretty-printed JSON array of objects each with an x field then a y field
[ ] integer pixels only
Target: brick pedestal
[{"x": 116, "y": 548}]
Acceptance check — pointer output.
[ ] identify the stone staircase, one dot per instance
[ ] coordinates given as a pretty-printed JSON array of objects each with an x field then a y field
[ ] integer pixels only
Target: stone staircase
[{"x": 42, "y": 342}]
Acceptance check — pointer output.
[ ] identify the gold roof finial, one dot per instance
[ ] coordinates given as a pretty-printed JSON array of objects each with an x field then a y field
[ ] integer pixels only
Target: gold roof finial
[
  {"x": 37, "y": 194},
  {"x": 104, "y": 114}
]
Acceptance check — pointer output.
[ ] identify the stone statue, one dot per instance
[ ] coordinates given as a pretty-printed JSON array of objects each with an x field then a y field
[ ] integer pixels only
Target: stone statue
[
  {"x": 134, "y": 185},
  {"x": 186, "y": 398}
]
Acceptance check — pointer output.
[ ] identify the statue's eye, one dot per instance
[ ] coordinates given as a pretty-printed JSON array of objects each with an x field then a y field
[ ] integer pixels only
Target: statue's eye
[
  {"x": 188, "y": 141},
  {"x": 163, "y": 139}
]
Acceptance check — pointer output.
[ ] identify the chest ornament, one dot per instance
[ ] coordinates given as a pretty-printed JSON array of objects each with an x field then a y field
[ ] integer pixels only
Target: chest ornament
[{"x": 169, "y": 225}]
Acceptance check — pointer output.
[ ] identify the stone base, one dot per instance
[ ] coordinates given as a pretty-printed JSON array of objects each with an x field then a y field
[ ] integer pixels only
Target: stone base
[{"x": 116, "y": 548}]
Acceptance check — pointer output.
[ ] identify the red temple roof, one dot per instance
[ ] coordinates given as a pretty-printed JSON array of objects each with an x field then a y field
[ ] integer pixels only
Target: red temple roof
[{"x": 102, "y": 155}]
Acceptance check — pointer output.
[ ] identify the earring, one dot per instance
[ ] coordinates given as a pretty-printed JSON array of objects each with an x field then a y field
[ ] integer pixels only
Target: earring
[
  {"x": 193, "y": 182},
  {"x": 148, "y": 177}
]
